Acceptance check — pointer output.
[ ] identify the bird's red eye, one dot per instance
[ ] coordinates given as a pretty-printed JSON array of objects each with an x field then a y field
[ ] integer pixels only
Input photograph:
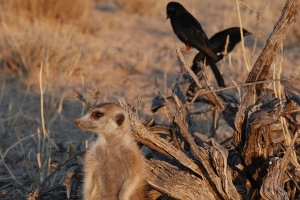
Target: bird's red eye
[{"x": 97, "y": 115}]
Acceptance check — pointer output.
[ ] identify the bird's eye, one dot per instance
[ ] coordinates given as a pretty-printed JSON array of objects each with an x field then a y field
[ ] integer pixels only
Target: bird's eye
[{"x": 97, "y": 115}]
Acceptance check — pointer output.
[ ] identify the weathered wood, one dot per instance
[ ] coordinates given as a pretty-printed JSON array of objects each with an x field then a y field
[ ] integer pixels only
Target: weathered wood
[
  {"x": 229, "y": 102},
  {"x": 142, "y": 135},
  {"x": 177, "y": 183},
  {"x": 223, "y": 187},
  {"x": 258, "y": 140},
  {"x": 211, "y": 96},
  {"x": 261, "y": 68},
  {"x": 272, "y": 188}
]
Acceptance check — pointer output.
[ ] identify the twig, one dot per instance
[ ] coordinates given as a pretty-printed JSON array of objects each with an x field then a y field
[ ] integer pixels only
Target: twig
[
  {"x": 242, "y": 38},
  {"x": 212, "y": 97},
  {"x": 59, "y": 167},
  {"x": 245, "y": 84},
  {"x": 76, "y": 94}
]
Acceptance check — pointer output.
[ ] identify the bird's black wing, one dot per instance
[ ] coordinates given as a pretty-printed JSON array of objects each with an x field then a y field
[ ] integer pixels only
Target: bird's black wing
[
  {"x": 190, "y": 32},
  {"x": 201, "y": 43},
  {"x": 219, "y": 40}
]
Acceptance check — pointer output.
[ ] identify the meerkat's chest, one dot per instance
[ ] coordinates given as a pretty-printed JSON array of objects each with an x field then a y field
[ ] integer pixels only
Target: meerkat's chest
[
  {"x": 106, "y": 167},
  {"x": 108, "y": 158}
]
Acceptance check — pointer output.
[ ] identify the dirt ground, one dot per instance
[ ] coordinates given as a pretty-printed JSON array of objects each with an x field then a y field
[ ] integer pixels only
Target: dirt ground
[{"x": 123, "y": 52}]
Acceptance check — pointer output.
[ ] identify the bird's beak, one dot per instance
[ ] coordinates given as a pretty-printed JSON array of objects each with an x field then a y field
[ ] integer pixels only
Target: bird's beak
[{"x": 248, "y": 33}]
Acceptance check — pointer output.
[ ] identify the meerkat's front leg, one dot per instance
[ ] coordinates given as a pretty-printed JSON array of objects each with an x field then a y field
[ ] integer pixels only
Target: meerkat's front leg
[{"x": 129, "y": 186}]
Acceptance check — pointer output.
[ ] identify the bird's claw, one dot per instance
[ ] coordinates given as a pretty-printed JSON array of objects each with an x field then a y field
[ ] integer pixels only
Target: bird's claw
[{"x": 184, "y": 51}]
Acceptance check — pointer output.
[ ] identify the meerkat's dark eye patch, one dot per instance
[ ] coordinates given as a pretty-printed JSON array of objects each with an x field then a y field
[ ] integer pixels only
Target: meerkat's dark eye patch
[
  {"x": 97, "y": 115},
  {"x": 120, "y": 119}
]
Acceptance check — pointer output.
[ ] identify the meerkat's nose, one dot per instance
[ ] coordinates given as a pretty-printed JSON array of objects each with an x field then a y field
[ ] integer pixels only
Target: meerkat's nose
[{"x": 77, "y": 122}]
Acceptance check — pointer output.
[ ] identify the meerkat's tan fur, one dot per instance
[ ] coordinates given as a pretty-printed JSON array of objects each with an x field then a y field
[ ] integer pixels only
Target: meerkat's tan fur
[{"x": 113, "y": 165}]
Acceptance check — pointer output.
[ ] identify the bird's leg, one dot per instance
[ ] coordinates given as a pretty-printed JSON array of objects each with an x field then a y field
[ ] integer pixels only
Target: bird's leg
[{"x": 185, "y": 50}]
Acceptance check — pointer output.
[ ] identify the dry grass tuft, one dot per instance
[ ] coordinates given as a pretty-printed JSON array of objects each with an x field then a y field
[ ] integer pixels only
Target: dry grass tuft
[
  {"x": 53, "y": 31},
  {"x": 140, "y": 7},
  {"x": 60, "y": 51},
  {"x": 63, "y": 11}
]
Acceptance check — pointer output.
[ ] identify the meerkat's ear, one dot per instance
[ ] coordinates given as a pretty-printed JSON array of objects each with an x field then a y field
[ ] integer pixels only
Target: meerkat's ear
[{"x": 119, "y": 119}]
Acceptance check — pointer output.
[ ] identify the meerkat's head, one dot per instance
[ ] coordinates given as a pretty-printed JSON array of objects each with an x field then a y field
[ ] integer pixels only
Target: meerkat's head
[{"x": 104, "y": 118}]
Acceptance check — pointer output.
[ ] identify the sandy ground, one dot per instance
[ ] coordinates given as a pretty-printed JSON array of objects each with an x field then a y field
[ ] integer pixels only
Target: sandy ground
[{"x": 125, "y": 55}]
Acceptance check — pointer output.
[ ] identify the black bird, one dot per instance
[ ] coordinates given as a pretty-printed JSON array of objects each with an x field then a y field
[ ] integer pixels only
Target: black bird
[
  {"x": 226, "y": 38},
  {"x": 219, "y": 41},
  {"x": 188, "y": 29}
]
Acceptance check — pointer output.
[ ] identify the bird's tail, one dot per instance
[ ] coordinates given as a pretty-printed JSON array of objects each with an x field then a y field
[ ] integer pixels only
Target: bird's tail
[
  {"x": 215, "y": 70},
  {"x": 201, "y": 57}
]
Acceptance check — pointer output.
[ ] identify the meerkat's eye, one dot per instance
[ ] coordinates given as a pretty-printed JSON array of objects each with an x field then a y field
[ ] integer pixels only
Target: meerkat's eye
[
  {"x": 120, "y": 119},
  {"x": 97, "y": 115}
]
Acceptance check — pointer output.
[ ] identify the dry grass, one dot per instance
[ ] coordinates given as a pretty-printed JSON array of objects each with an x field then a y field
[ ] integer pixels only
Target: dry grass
[
  {"x": 85, "y": 46},
  {"x": 62, "y": 50},
  {"x": 140, "y": 7},
  {"x": 42, "y": 30},
  {"x": 33, "y": 10}
]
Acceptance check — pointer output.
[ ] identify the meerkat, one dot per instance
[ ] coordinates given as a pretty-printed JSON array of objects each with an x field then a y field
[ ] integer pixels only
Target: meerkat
[{"x": 113, "y": 165}]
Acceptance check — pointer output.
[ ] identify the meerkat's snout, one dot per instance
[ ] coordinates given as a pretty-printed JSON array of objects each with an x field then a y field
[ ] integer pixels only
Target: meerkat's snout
[{"x": 77, "y": 122}]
